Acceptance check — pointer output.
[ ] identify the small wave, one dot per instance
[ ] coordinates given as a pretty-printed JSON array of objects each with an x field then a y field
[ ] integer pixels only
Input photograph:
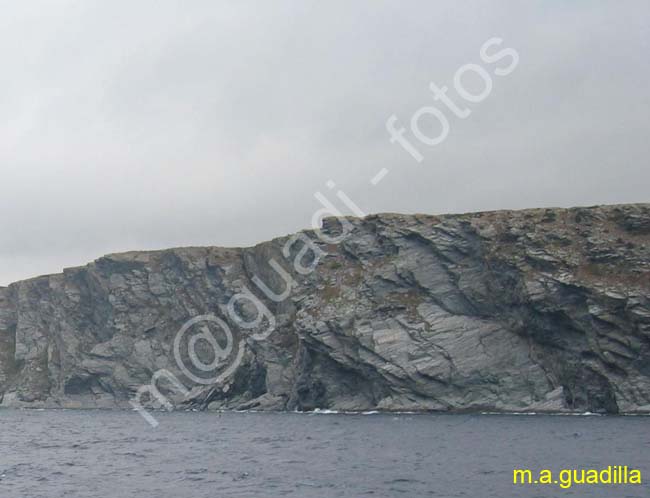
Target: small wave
[{"x": 552, "y": 414}]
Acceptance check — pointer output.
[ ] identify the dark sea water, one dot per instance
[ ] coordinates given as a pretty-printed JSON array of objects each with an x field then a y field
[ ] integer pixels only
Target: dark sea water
[{"x": 116, "y": 454}]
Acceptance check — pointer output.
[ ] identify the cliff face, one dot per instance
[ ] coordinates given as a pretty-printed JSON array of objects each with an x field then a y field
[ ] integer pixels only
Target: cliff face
[{"x": 545, "y": 309}]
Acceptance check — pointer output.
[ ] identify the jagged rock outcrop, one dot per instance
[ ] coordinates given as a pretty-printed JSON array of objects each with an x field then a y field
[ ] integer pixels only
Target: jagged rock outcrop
[{"x": 534, "y": 310}]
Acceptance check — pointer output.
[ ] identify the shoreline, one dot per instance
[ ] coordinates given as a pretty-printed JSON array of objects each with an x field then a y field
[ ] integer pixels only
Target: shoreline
[{"x": 338, "y": 412}]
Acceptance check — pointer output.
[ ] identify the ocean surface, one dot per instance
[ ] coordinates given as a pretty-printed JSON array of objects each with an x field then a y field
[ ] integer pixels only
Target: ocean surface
[{"x": 57, "y": 453}]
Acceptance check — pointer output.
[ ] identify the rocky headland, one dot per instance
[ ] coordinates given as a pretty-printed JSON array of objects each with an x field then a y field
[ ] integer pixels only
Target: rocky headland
[{"x": 515, "y": 311}]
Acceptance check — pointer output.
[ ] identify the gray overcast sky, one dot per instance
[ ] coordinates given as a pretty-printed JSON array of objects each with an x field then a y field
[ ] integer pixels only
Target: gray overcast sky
[{"x": 150, "y": 124}]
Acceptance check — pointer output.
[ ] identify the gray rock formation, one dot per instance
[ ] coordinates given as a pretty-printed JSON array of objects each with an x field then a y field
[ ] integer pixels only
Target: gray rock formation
[{"x": 534, "y": 310}]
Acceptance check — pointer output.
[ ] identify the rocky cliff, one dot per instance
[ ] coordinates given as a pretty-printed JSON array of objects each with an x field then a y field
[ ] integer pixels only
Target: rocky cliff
[{"x": 534, "y": 310}]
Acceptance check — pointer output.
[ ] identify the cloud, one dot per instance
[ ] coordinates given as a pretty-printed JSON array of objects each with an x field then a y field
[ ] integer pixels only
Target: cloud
[{"x": 155, "y": 124}]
